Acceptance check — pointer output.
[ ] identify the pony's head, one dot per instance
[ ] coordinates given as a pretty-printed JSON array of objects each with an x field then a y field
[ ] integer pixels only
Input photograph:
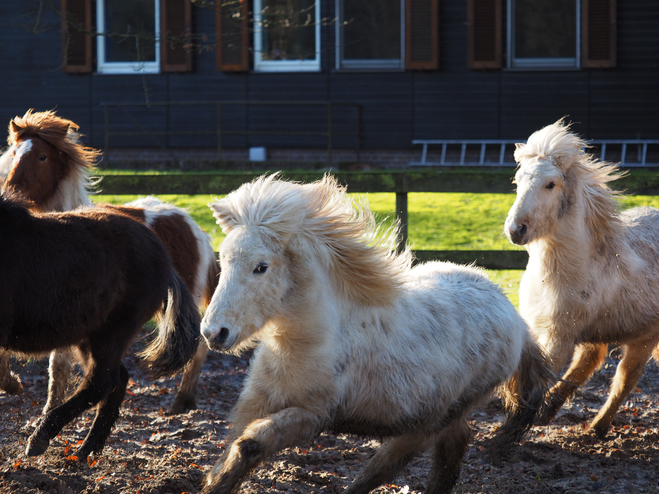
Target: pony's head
[
  {"x": 284, "y": 241},
  {"x": 47, "y": 158},
  {"x": 557, "y": 178}
]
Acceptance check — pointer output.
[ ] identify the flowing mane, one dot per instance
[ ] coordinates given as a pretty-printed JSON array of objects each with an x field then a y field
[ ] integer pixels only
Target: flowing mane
[
  {"x": 63, "y": 135},
  {"x": 358, "y": 253},
  {"x": 556, "y": 145}
]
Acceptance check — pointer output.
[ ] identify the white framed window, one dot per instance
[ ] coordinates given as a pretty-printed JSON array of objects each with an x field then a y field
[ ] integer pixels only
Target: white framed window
[
  {"x": 286, "y": 35},
  {"x": 544, "y": 34},
  {"x": 129, "y": 40},
  {"x": 370, "y": 34}
]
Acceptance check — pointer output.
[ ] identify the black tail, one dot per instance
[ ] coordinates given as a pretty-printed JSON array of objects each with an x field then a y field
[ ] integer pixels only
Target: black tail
[
  {"x": 524, "y": 398},
  {"x": 178, "y": 333}
]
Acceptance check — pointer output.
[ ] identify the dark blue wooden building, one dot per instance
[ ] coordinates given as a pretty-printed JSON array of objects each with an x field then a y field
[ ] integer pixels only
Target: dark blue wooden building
[{"x": 396, "y": 70}]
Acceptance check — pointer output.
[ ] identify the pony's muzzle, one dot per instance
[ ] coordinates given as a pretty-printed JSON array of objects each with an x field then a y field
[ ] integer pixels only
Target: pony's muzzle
[
  {"x": 517, "y": 233},
  {"x": 217, "y": 341}
]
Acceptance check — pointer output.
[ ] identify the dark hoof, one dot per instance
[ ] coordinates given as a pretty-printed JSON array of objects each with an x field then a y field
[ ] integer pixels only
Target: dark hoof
[
  {"x": 600, "y": 431},
  {"x": 12, "y": 386},
  {"x": 36, "y": 446},
  {"x": 182, "y": 404}
]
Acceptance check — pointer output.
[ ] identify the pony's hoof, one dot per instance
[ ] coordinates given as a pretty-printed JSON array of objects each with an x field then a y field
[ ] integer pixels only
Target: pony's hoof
[
  {"x": 12, "y": 386},
  {"x": 36, "y": 446},
  {"x": 182, "y": 404},
  {"x": 600, "y": 430}
]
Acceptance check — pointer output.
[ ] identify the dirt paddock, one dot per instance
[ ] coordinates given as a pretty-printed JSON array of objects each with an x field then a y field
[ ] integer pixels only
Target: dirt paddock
[{"x": 149, "y": 452}]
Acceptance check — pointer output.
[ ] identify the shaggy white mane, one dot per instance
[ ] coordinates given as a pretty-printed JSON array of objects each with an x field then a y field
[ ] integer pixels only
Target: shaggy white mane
[
  {"x": 359, "y": 253},
  {"x": 555, "y": 145}
]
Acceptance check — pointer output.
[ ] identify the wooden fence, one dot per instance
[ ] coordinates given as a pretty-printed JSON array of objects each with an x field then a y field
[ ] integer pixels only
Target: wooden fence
[{"x": 490, "y": 180}]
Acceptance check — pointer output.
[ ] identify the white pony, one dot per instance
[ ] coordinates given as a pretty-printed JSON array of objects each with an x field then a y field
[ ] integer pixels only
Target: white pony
[
  {"x": 593, "y": 273},
  {"x": 352, "y": 339}
]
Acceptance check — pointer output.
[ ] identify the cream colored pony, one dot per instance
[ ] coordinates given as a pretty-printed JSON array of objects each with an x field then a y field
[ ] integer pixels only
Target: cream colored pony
[
  {"x": 352, "y": 339},
  {"x": 593, "y": 274}
]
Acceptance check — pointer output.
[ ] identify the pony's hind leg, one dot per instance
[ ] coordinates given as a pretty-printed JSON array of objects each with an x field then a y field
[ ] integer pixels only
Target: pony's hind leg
[
  {"x": 388, "y": 460},
  {"x": 260, "y": 440},
  {"x": 450, "y": 447},
  {"x": 59, "y": 370},
  {"x": 9, "y": 382},
  {"x": 185, "y": 397},
  {"x": 101, "y": 377},
  {"x": 106, "y": 416},
  {"x": 587, "y": 359},
  {"x": 629, "y": 371}
]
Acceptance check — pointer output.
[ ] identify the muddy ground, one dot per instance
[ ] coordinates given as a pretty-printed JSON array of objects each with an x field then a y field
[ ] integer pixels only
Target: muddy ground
[{"x": 150, "y": 452}]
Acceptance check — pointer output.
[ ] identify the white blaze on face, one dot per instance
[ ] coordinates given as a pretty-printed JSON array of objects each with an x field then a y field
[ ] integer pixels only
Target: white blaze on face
[{"x": 23, "y": 148}]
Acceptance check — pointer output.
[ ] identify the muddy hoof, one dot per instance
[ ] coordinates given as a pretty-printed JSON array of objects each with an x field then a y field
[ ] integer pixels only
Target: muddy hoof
[
  {"x": 36, "y": 446},
  {"x": 12, "y": 386},
  {"x": 182, "y": 404}
]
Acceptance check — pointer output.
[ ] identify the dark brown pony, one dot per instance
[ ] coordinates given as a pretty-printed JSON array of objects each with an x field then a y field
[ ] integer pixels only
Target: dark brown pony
[
  {"x": 90, "y": 280},
  {"x": 53, "y": 171}
]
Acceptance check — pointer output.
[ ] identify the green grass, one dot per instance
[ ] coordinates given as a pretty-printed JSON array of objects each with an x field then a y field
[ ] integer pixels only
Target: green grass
[{"x": 451, "y": 221}]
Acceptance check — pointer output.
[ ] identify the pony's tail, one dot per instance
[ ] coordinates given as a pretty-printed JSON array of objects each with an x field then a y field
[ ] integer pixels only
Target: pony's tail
[
  {"x": 178, "y": 333},
  {"x": 523, "y": 396}
]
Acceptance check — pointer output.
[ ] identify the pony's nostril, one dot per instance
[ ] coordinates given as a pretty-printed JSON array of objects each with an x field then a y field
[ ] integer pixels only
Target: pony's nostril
[
  {"x": 522, "y": 230},
  {"x": 222, "y": 335}
]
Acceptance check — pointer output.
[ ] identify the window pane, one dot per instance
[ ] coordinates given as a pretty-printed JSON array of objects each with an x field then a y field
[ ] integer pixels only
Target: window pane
[
  {"x": 371, "y": 29},
  {"x": 130, "y": 26},
  {"x": 545, "y": 28},
  {"x": 289, "y": 30}
]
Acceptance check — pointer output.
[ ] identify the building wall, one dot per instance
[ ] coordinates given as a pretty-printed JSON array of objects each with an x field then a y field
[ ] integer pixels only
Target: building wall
[{"x": 453, "y": 102}]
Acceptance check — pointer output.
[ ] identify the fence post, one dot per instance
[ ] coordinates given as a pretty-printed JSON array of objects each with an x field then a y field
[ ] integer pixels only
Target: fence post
[
  {"x": 106, "y": 146},
  {"x": 401, "y": 213}
]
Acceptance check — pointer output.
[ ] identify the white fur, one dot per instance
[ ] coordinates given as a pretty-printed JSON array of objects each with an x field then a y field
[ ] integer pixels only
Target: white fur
[
  {"x": 593, "y": 273},
  {"x": 439, "y": 335}
]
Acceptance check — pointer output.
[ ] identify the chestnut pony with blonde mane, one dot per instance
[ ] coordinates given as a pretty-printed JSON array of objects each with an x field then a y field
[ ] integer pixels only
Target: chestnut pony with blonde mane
[
  {"x": 53, "y": 171},
  {"x": 592, "y": 279},
  {"x": 353, "y": 339}
]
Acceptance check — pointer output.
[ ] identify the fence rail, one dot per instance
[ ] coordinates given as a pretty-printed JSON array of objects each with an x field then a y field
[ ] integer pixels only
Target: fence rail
[{"x": 489, "y": 180}]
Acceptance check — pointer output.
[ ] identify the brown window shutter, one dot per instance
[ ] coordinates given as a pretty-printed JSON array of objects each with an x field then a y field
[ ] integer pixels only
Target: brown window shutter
[
  {"x": 484, "y": 26},
  {"x": 175, "y": 29},
  {"x": 232, "y": 35},
  {"x": 422, "y": 34},
  {"x": 598, "y": 33},
  {"x": 76, "y": 37}
]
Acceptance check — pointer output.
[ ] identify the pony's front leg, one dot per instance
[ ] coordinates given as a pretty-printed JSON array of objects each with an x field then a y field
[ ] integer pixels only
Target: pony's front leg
[
  {"x": 587, "y": 358},
  {"x": 388, "y": 460},
  {"x": 9, "y": 382},
  {"x": 629, "y": 371},
  {"x": 260, "y": 440},
  {"x": 59, "y": 370}
]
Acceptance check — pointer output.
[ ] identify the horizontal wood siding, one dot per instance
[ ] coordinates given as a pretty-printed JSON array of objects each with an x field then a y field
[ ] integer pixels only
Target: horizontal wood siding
[{"x": 453, "y": 101}]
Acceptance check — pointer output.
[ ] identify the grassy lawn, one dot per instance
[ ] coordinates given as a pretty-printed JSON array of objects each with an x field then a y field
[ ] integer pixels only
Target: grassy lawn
[{"x": 452, "y": 221}]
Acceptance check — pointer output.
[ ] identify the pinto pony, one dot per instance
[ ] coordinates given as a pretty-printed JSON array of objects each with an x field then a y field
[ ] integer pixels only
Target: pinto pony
[
  {"x": 53, "y": 171},
  {"x": 352, "y": 339},
  {"x": 89, "y": 280},
  {"x": 592, "y": 279}
]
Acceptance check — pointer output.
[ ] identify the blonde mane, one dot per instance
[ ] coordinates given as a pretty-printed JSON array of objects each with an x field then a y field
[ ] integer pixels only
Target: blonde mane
[
  {"x": 358, "y": 253},
  {"x": 63, "y": 135},
  {"x": 555, "y": 144}
]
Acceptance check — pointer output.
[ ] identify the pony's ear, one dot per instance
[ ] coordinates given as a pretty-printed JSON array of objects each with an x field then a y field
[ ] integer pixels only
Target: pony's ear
[
  {"x": 14, "y": 132},
  {"x": 518, "y": 145},
  {"x": 224, "y": 215}
]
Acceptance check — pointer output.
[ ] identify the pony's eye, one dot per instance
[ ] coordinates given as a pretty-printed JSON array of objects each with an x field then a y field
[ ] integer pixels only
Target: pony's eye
[
  {"x": 550, "y": 185},
  {"x": 261, "y": 268},
  {"x": 43, "y": 157}
]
